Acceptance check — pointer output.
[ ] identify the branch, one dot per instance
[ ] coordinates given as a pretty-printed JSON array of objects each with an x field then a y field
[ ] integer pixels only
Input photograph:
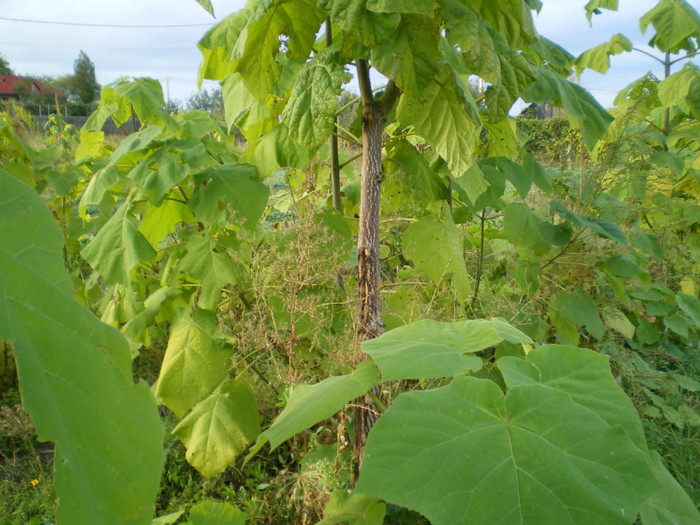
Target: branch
[
  {"x": 365, "y": 84},
  {"x": 660, "y": 61},
  {"x": 686, "y": 57},
  {"x": 346, "y": 106},
  {"x": 391, "y": 93},
  {"x": 563, "y": 250},
  {"x": 354, "y": 157}
]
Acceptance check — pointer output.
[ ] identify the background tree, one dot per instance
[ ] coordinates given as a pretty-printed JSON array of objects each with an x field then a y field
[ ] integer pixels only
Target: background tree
[
  {"x": 206, "y": 100},
  {"x": 5, "y": 68},
  {"x": 85, "y": 83}
]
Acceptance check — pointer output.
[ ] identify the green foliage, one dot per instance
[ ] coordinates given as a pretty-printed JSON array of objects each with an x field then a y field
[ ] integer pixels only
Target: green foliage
[
  {"x": 86, "y": 87},
  {"x": 309, "y": 404},
  {"x": 219, "y": 427},
  {"x": 5, "y": 68},
  {"x": 604, "y": 438},
  {"x": 76, "y": 380},
  {"x": 430, "y": 349},
  {"x": 598, "y": 58},
  {"x": 231, "y": 278}
]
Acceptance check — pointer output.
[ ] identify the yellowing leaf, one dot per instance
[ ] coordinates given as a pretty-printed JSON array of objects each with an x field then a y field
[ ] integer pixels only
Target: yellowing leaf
[
  {"x": 446, "y": 115},
  {"x": 194, "y": 363},
  {"x": 219, "y": 428},
  {"x": 312, "y": 105},
  {"x": 297, "y": 20}
]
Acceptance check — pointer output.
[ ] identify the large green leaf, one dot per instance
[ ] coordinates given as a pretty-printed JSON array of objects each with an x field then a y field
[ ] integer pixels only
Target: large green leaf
[
  {"x": 206, "y": 4},
  {"x": 598, "y": 58},
  {"x": 445, "y": 114},
  {"x": 137, "y": 325},
  {"x": 168, "y": 166},
  {"x": 436, "y": 247},
  {"x": 297, "y": 20},
  {"x": 312, "y": 105},
  {"x": 603, "y": 227},
  {"x": 583, "y": 111},
  {"x": 237, "y": 98},
  {"x": 310, "y": 404},
  {"x": 473, "y": 183},
  {"x": 670, "y": 505},
  {"x": 276, "y": 150},
  {"x": 356, "y": 21},
  {"x": 690, "y": 305},
  {"x": 118, "y": 247},
  {"x": 408, "y": 181},
  {"x": 194, "y": 362},
  {"x": 74, "y": 375},
  {"x": 544, "y": 52},
  {"x": 101, "y": 181},
  {"x": 409, "y": 53},
  {"x": 680, "y": 87},
  {"x": 219, "y": 428},
  {"x": 208, "y": 262},
  {"x": 138, "y": 141},
  {"x": 427, "y": 348},
  {"x": 516, "y": 174},
  {"x": 490, "y": 57},
  {"x": 468, "y": 453},
  {"x": 585, "y": 377},
  {"x": 512, "y": 18},
  {"x": 158, "y": 173},
  {"x": 234, "y": 187},
  {"x": 675, "y": 22}
]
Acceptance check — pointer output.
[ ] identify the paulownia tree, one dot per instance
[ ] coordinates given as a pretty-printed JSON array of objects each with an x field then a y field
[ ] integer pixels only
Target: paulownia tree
[{"x": 281, "y": 82}]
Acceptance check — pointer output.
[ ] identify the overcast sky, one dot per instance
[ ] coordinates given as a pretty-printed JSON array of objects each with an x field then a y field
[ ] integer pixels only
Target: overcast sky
[{"x": 171, "y": 55}]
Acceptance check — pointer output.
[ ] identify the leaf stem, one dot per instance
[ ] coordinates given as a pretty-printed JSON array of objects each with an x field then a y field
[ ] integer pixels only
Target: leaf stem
[
  {"x": 381, "y": 406},
  {"x": 480, "y": 262},
  {"x": 660, "y": 61}
]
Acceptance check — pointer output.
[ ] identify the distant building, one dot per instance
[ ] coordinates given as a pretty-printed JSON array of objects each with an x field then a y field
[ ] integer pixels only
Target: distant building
[{"x": 12, "y": 87}]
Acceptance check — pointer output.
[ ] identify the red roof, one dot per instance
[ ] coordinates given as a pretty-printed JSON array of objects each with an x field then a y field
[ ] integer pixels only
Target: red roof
[{"x": 7, "y": 84}]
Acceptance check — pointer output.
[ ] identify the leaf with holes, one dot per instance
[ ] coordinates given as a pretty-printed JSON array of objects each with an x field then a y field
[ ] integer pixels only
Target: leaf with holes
[
  {"x": 312, "y": 105},
  {"x": 445, "y": 114}
]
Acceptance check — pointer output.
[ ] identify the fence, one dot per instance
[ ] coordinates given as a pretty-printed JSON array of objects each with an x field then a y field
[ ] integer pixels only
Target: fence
[{"x": 110, "y": 128}]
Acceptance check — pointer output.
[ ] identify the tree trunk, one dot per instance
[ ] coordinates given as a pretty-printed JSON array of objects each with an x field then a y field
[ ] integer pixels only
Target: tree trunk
[
  {"x": 371, "y": 324},
  {"x": 370, "y": 321}
]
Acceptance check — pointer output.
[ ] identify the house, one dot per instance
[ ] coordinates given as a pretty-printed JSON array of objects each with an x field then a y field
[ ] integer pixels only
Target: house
[{"x": 12, "y": 86}]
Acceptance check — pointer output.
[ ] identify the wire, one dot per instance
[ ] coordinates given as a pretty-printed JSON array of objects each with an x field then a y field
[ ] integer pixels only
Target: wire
[
  {"x": 112, "y": 48},
  {"x": 82, "y": 24}
]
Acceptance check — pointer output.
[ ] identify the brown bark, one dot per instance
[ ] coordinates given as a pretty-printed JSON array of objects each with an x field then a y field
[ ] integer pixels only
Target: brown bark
[{"x": 370, "y": 325}]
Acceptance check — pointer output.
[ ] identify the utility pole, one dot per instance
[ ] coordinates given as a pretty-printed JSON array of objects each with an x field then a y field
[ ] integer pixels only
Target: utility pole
[{"x": 167, "y": 87}]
